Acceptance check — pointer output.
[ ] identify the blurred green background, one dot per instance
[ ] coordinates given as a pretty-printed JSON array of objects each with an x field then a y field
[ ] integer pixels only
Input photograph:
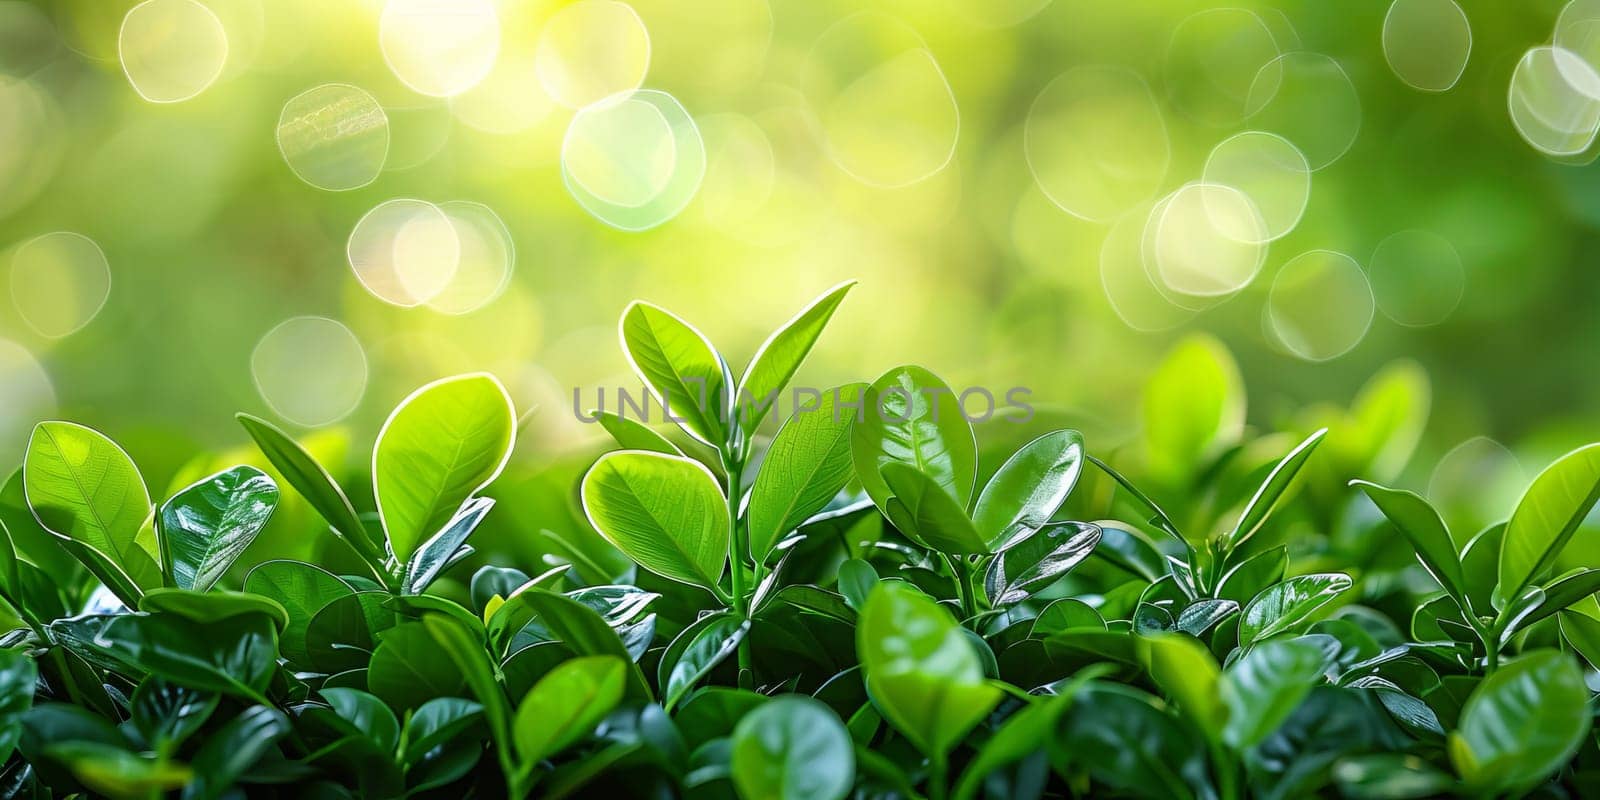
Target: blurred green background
[{"x": 945, "y": 153}]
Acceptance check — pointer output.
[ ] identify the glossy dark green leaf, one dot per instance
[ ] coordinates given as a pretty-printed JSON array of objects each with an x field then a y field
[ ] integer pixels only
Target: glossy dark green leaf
[
  {"x": 1130, "y": 746},
  {"x": 30, "y": 539},
  {"x": 1561, "y": 593},
  {"x": 235, "y": 655},
  {"x": 85, "y": 488},
  {"x": 856, "y": 579},
  {"x": 436, "y": 723},
  {"x": 703, "y": 646},
  {"x": 1546, "y": 517},
  {"x": 440, "y": 551},
  {"x": 232, "y": 750},
  {"x": 1480, "y": 567},
  {"x": 1281, "y": 607},
  {"x": 682, "y": 369},
  {"x": 1124, "y": 546},
  {"x": 312, "y": 481},
  {"x": 1199, "y": 616},
  {"x": 406, "y": 670},
  {"x": 1390, "y": 776},
  {"x": 443, "y": 444},
  {"x": 634, "y": 435},
  {"x": 1263, "y": 688},
  {"x": 1038, "y": 561},
  {"x": 665, "y": 512},
  {"x": 1272, "y": 489},
  {"x": 583, "y": 630},
  {"x": 366, "y": 715},
  {"x": 207, "y": 525},
  {"x": 793, "y": 748},
  {"x": 1064, "y": 614},
  {"x": 212, "y": 606},
  {"x": 17, "y": 677},
  {"x": 478, "y": 672},
  {"x": 806, "y": 466},
  {"x": 303, "y": 590},
  {"x": 924, "y": 511},
  {"x": 922, "y": 671},
  {"x": 1423, "y": 527},
  {"x": 913, "y": 418},
  {"x": 780, "y": 356},
  {"x": 565, "y": 705},
  {"x": 167, "y": 714},
  {"x": 1245, "y": 580},
  {"x": 1028, "y": 488},
  {"x": 345, "y": 632},
  {"x": 1521, "y": 724}
]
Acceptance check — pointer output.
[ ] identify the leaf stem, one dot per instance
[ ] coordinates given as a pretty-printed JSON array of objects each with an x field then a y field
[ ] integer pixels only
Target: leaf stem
[
  {"x": 963, "y": 575},
  {"x": 937, "y": 790},
  {"x": 738, "y": 546}
]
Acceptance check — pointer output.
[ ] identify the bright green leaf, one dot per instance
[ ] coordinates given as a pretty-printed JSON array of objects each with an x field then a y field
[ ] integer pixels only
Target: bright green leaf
[
  {"x": 808, "y": 463},
  {"x": 792, "y": 748},
  {"x": 665, "y": 512}
]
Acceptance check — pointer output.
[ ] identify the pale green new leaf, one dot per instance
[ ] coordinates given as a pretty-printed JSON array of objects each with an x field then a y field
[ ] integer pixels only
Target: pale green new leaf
[
  {"x": 83, "y": 487},
  {"x": 808, "y": 463},
  {"x": 665, "y": 512},
  {"x": 682, "y": 369},
  {"x": 776, "y": 361}
]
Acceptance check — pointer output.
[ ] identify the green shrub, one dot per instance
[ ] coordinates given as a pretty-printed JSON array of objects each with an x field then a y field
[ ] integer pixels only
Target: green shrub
[{"x": 871, "y": 601}]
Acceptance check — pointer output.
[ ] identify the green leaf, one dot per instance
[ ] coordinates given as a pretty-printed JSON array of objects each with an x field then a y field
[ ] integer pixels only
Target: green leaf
[
  {"x": 1246, "y": 579},
  {"x": 1193, "y": 408},
  {"x": 1417, "y": 520},
  {"x": 1522, "y": 724},
  {"x": 83, "y": 487},
  {"x": 924, "y": 511},
  {"x": 921, "y": 669},
  {"x": 911, "y": 417},
  {"x": 235, "y": 655},
  {"x": 1386, "y": 420},
  {"x": 1028, "y": 488},
  {"x": 1129, "y": 744},
  {"x": 18, "y": 675},
  {"x": 1025, "y": 732},
  {"x": 436, "y": 723},
  {"x": 806, "y": 466},
  {"x": 633, "y": 435},
  {"x": 212, "y": 606},
  {"x": 682, "y": 369},
  {"x": 406, "y": 671},
  {"x": 780, "y": 356},
  {"x": 665, "y": 512},
  {"x": 167, "y": 714},
  {"x": 206, "y": 526},
  {"x": 793, "y": 748},
  {"x": 441, "y": 551},
  {"x": 565, "y": 705},
  {"x": 1263, "y": 688},
  {"x": 30, "y": 539},
  {"x": 1188, "y": 673},
  {"x": 442, "y": 445},
  {"x": 232, "y": 750},
  {"x": 1558, "y": 595},
  {"x": 1546, "y": 517},
  {"x": 1038, "y": 561},
  {"x": 478, "y": 672},
  {"x": 313, "y": 482},
  {"x": 365, "y": 715},
  {"x": 1272, "y": 489},
  {"x": 583, "y": 630},
  {"x": 303, "y": 590},
  {"x": 115, "y": 772},
  {"x": 1283, "y": 606},
  {"x": 709, "y": 646},
  {"x": 856, "y": 579}
]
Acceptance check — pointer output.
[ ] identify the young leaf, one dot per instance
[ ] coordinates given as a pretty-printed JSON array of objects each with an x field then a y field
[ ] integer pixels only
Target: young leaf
[
  {"x": 911, "y": 417},
  {"x": 922, "y": 671},
  {"x": 793, "y": 748},
  {"x": 1038, "y": 561},
  {"x": 1282, "y": 606},
  {"x": 84, "y": 488},
  {"x": 468, "y": 655},
  {"x": 406, "y": 671},
  {"x": 634, "y": 435},
  {"x": 682, "y": 369},
  {"x": 1421, "y": 525},
  {"x": 665, "y": 512},
  {"x": 806, "y": 466},
  {"x": 1263, "y": 688},
  {"x": 442, "y": 445},
  {"x": 776, "y": 361},
  {"x": 1028, "y": 488},
  {"x": 1193, "y": 407},
  {"x": 440, "y": 551},
  {"x": 312, "y": 482},
  {"x": 565, "y": 705},
  {"x": 922, "y": 510},
  {"x": 207, "y": 525},
  {"x": 1277, "y": 482},
  {"x": 1521, "y": 724},
  {"x": 1546, "y": 517}
]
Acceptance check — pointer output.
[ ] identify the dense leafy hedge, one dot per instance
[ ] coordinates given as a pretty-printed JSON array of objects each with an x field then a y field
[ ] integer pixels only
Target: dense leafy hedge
[{"x": 867, "y": 603}]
